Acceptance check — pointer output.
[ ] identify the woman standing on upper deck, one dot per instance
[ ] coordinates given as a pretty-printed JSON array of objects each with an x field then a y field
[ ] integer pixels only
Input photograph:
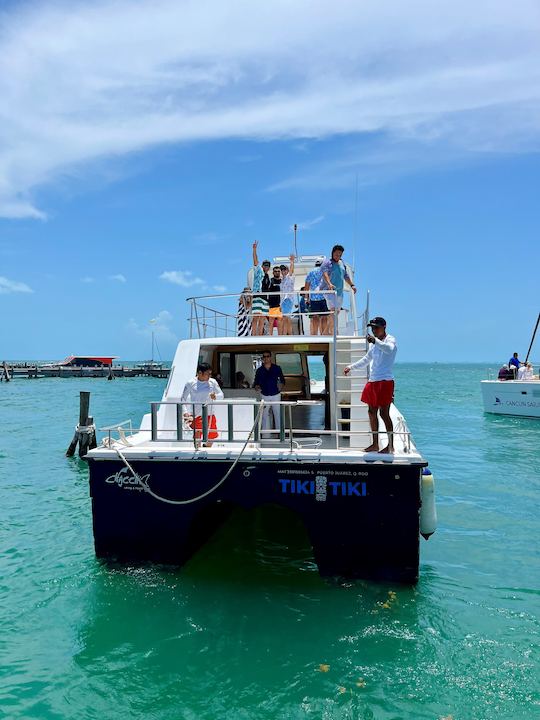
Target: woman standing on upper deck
[
  {"x": 243, "y": 319},
  {"x": 287, "y": 301}
]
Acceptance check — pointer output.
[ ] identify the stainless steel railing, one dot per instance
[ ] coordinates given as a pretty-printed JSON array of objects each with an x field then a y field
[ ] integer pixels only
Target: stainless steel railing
[
  {"x": 206, "y": 321},
  {"x": 181, "y": 432}
]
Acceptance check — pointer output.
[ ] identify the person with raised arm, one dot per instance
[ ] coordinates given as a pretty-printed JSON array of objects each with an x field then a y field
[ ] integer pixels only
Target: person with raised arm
[
  {"x": 261, "y": 281},
  {"x": 379, "y": 390}
]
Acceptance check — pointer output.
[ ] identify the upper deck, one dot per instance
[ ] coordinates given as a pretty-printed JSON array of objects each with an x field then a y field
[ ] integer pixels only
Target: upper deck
[{"x": 215, "y": 316}]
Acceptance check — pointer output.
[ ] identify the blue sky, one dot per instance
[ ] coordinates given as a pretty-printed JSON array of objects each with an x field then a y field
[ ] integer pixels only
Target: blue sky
[{"x": 145, "y": 146}]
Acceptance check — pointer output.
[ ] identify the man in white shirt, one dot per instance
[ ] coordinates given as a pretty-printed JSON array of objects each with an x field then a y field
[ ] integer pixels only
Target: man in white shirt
[
  {"x": 379, "y": 390},
  {"x": 199, "y": 392}
]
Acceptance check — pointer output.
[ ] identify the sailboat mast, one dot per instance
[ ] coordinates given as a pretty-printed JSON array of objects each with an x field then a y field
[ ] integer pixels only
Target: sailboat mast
[{"x": 532, "y": 339}]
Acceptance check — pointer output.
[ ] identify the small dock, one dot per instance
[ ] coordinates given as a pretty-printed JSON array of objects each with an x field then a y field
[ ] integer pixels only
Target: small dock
[{"x": 28, "y": 370}]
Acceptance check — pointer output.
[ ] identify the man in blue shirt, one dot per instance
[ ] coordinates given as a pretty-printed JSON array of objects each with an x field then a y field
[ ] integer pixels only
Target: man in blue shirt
[
  {"x": 268, "y": 381},
  {"x": 317, "y": 301},
  {"x": 514, "y": 364},
  {"x": 335, "y": 275}
]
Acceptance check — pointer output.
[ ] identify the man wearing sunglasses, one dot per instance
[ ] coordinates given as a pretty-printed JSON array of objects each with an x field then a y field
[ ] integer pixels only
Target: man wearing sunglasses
[
  {"x": 268, "y": 381},
  {"x": 274, "y": 301}
]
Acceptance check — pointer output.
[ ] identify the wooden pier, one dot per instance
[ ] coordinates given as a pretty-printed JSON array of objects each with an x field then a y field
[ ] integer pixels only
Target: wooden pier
[{"x": 36, "y": 370}]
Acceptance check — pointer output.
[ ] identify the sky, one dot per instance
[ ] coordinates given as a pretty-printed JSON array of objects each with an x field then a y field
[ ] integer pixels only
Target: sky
[{"x": 145, "y": 145}]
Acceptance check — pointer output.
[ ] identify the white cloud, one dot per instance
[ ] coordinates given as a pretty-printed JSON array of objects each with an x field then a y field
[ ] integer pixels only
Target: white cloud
[
  {"x": 12, "y": 286},
  {"x": 159, "y": 325},
  {"x": 184, "y": 278},
  {"x": 220, "y": 288},
  {"x": 308, "y": 224},
  {"x": 82, "y": 82},
  {"x": 88, "y": 279},
  {"x": 119, "y": 278}
]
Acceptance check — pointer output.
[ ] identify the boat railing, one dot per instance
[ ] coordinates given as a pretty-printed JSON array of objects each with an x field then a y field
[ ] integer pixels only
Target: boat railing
[
  {"x": 208, "y": 321},
  {"x": 184, "y": 429}
]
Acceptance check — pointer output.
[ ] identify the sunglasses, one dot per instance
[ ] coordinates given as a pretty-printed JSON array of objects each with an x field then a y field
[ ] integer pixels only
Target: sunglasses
[{"x": 266, "y": 356}]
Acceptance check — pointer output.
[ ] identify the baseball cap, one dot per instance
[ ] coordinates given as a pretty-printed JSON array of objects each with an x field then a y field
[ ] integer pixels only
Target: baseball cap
[
  {"x": 318, "y": 263},
  {"x": 377, "y": 322}
]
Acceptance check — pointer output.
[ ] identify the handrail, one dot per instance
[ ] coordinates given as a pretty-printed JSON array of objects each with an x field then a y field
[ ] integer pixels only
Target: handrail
[
  {"x": 179, "y": 430},
  {"x": 204, "y": 319}
]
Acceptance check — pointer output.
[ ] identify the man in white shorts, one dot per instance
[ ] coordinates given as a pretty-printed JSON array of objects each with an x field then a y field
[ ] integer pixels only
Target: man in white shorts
[{"x": 334, "y": 275}]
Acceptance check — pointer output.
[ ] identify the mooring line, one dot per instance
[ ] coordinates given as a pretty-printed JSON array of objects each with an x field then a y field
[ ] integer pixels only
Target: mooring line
[{"x": 148, "y": 489}]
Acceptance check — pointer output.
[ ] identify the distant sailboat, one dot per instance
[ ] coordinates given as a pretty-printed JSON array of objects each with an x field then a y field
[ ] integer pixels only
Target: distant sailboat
[{"x": 519, "y": 397}]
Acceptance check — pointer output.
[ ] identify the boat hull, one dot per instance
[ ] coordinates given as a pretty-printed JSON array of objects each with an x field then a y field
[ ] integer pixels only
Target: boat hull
[
  {"x": 511, "y": 397},
  {"x": 362, "y": 519}
]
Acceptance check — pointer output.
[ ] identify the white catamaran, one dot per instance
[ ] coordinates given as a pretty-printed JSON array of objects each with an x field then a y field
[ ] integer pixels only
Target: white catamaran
[{"x": 160, "y": 491}]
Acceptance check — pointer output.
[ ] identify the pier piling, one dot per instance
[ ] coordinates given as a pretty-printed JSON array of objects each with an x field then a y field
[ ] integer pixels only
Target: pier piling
[
  {"x": 85, "y": 432},
  {"x": 5, "y": 373}
]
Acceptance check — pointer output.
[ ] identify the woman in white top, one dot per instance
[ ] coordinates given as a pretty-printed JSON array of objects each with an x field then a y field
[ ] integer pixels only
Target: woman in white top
[
  {"x": 199, "y": 392},
  {"x": 287, "y": 301}
]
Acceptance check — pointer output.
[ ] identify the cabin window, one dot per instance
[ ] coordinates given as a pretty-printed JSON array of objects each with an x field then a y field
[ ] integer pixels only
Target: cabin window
[
  {"x": 245, "y": 365},
  {"x": 225, "y": 368},
  {"x": 290, "y": 363},
  {"x": 238, "y": 369},
  {"x": 317, "y": 374}
]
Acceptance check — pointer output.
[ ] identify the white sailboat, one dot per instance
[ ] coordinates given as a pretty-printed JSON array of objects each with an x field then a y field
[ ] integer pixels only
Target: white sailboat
[{"x": 518, "y": 397}]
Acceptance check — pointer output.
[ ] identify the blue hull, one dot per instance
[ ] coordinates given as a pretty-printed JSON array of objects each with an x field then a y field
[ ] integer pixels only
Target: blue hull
[{"x": 362, "y": 519}]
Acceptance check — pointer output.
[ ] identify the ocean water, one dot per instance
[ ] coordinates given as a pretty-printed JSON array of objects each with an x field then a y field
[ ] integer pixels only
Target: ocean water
[{"x": 248, "y": 629}]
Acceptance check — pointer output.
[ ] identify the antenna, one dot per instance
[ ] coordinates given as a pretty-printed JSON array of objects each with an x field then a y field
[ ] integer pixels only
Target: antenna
[{"x": 295, "y": 248}]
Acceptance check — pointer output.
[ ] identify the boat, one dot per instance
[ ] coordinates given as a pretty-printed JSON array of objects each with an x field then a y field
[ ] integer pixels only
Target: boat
[
  {"x": 78, "y": 366},
  {"x": 82, "y": 361},
  {"x": 516, "y": 396},
  {"x": 152, "y": 367},
  {"x": 512, "y": 397},
  {"x": 158, "y": 493}
]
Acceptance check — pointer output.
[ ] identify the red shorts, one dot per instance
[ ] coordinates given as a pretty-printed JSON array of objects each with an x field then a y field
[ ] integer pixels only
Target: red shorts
[
  {"x": 378, "y": 393},
  {"x": 212, "y": 427}
]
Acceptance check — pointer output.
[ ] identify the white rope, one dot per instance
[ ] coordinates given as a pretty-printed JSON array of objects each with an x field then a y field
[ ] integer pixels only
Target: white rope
[{"x": 147, "y": 488}]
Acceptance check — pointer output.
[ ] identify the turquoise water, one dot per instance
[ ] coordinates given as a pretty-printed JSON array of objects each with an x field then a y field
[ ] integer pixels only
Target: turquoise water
[{"x": 248, "y": 629}]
